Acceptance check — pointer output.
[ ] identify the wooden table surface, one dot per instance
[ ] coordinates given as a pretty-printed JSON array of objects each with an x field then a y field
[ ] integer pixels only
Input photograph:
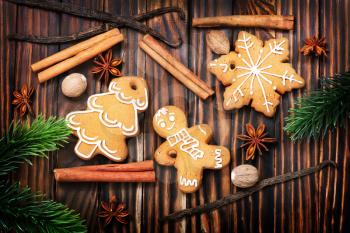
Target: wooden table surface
[{"x": 317, "y": 203}]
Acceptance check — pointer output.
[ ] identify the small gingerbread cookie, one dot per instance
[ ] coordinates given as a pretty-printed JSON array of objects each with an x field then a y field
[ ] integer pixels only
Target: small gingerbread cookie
[
  {"x": 186, "y": 148},
  {"x": 110, "y": 118},
  {"x": 256, "y": 73}
]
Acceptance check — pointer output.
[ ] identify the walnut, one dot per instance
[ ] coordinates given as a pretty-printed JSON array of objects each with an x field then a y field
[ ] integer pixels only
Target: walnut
[{"x": 218, "y": 42}]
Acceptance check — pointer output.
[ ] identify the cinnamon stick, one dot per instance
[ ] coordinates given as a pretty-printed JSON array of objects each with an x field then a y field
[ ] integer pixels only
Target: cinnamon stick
[
  {"x": 174, "y": 67},
  {"x": 79, "y": 58},
  {"x": 263, "y": 21},
  {"x": 73, "y": 50},
  {"x": 127, "y": 167},
  {"x": 151, "y": 42},
  {"x": 76, "y": 175}
]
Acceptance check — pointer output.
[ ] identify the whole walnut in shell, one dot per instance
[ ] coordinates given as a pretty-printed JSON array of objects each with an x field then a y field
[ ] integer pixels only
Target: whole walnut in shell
[{"x": 218, "y": 42}]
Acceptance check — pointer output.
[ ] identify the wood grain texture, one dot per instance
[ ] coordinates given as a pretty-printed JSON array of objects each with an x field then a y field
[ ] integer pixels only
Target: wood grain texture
[
  {"x": 318, "y": 203},
  {"x": 85, "y": 197}
]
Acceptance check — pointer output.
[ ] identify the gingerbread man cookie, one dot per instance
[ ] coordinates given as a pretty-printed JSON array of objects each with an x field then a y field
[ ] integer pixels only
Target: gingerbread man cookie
[
  {"x": 256, "y": 73},
  {"x": 186, "y": 148},
  {"x": 109, "y": 119}
]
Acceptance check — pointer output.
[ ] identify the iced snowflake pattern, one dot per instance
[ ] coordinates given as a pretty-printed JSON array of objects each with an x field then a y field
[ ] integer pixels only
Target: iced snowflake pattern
[{"x": 256, "y": 70}]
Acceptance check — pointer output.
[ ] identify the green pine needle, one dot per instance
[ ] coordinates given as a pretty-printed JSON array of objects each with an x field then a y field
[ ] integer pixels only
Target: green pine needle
[
  {"x": 322, "y": 110},
  {"x": 24, "y": 141},
  {"x": 23, "y": 211}
]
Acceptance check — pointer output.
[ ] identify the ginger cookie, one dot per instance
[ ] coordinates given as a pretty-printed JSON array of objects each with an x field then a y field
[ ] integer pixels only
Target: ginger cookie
[
  {"x": 256, "y": 73},
  {"x": 110, "y": 118},
  {"x": 187, "y": 148}
]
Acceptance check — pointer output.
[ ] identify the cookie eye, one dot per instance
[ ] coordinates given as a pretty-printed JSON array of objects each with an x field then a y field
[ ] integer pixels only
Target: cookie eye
[
  {"x": 172, "y": 118},
  {"x": 162, "y": 124}
]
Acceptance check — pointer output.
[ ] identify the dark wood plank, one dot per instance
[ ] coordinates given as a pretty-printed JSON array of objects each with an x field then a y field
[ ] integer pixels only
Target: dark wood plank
[
  {"x": 294, "y": 155},
  {"x": 165, "y": 91},
  {"x": 133, "y": 58},
  {"x": 24, "y": 55},
  {"x": 216, "y": 184},
  {"x": 335, "y": 199},
  {"x": 7, "y": 24},
  {"x": 318, "y": 203},
  {"x": 85, "y": 196}
]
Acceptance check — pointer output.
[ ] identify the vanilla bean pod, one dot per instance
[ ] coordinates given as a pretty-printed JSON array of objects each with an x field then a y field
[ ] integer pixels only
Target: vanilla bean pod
[
  {"x": 92, "y": 31},
  {"x": 241, "y": 194},
  {"x": 160, "y": 11},
  {"x": 113, "y": 20},
  {"x": 59, "y": 39}
]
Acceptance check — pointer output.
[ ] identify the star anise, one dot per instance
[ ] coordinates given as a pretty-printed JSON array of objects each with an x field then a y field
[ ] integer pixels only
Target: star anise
[
  {"x": 106, "y": 65},
  {"x": 115, "y": 210},
  {"x": 255, "y": 140},
  {"x": 23, "y": 101},
  {"x": 315, "y": 45}
]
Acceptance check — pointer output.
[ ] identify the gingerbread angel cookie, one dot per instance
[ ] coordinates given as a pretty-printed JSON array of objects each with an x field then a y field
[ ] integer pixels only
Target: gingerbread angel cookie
[
  {"x": 256, "y": 73},
  {"x": 109, "y": 119},
  {"x": 186, "y": 148}
]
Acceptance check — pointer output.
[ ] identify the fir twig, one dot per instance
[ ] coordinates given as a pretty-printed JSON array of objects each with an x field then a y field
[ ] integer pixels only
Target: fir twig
[
  {"x": 322, "y": 110},
  {"x": 22, "y": 142},
  {"x": 23, "y": 211}
]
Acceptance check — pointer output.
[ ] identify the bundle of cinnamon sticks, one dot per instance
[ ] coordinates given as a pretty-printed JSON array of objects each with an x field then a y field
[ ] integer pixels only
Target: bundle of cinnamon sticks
[
  {"x": 130, "y": 172},
  {"x": 68, "y": 58},
  {"x": 153, "y": 48}
]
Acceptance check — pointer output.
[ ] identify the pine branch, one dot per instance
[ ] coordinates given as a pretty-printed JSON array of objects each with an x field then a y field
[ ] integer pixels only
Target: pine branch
[
  {"x": 22, "y": 142},
  {"x": 23, "y": 211},
  {"x": 322, "y": 110}
]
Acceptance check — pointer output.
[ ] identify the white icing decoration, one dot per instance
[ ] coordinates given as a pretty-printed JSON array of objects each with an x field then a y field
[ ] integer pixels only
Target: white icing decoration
[
  {"x": 160, "y": 112},
  {"x": 171, "y": 126},
  {"x": 172, "y": 117},
  {"x": 189, "y": 145},
  {"x": 137, "y": 103},
  {"x": 256, "y": 72},
  {"x": 123, "y": 97},
  {"x": 161, "y": 122},
  {"x": 223, "y": 65},
  {"x": 100, "y": 144},
  {"x": 202, "y": 130},
  {"x": 188, "y": 182},
  {"x": 84, "y": 156},
  {"x": 105, "y": 118},
  {"x": 218, "y": 159},
  {"x": 120, "y": 96},
  {"x": 93, "y": 103},
  {"x": 131, "y": 129},
  {"x": 83, "y": 134},
  {"x": 107, "y": 149},
  {"x": 93, "y": 107},
  {"x": 71, "y": 123}
]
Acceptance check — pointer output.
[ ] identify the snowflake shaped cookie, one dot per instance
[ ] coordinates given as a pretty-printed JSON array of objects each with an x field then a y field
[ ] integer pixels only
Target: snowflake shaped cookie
[{"x": 256, "y": 73}]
